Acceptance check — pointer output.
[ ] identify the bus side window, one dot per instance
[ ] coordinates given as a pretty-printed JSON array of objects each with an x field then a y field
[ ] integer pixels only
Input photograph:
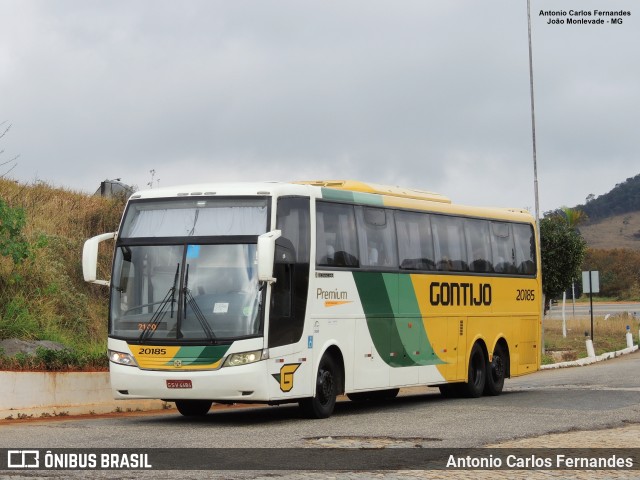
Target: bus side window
[
  {"x": 281, "y": 293},
  {"x": 377, "y": 237},
  {"x": 291, "y": 270},
  {"x": 293, "y": 221},
  {"x": 448, "y": 237},
  {"x": 525, "y": 249},
  {"x": 478, "y": 245},
  {"x": 325, "y": 241},
  {"x": 415, "y": 242},
  {"x": 336, "y": 241},
  {"x": 504, "y": 254}
]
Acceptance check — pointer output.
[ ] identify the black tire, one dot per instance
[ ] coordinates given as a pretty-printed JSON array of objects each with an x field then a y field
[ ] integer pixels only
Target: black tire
[
  {"x": 474, "y": 386},
  {"x": 193, "y": 408},
  {"x": 450, "y": 390},
  {"x": 496, "y": 372},
  {"x": 358, "y": 396},
  {"x": 327, "y": 385}
]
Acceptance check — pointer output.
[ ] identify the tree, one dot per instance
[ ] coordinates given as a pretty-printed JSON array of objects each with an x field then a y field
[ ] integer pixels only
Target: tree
[
  {"x": 562, "y": 250},
  {"x": 619, "y": 271},
  {"x": 623, "y": 198},
  {"x": 573, "y": 217}
]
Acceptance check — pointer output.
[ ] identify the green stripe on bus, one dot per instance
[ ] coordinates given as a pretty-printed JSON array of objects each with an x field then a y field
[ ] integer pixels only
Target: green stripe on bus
[
  {"x": 412, "y": 329},
  {"x": 352, "y": 197},
  {"x": 200, "y": 355},
  {"x": 376, "y": 302},
  {"x": 396, "y": 329}
]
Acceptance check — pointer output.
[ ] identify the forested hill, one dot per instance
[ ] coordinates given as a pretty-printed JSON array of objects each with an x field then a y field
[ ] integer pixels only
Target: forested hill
[{"x": 623, "y": 198}]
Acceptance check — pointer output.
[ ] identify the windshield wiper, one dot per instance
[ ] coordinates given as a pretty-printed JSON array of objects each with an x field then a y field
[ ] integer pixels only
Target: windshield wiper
[
  {"x": 191, "y": 302},
  {"x": 161, "y": 312}
]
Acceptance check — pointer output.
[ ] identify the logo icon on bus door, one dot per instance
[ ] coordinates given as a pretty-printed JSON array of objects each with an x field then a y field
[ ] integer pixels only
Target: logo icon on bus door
[{"x": 285, "y": 377}]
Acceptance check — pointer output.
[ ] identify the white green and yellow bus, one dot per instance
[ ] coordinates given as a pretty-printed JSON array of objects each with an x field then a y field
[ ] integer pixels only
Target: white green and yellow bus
[{"x": 300, "y": 292}]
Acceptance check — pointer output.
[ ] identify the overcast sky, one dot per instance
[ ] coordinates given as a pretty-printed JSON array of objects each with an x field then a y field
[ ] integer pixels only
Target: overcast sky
[{"x": 431, "y": 94}]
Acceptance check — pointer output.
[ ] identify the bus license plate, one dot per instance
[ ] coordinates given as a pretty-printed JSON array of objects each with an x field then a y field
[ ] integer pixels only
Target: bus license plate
[{"x": 179, "y": 384}]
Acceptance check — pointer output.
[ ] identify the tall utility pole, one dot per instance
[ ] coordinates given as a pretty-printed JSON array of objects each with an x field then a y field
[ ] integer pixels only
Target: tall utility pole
[
  {"x": 535, "y": 160},
  {"x": 533, "y": 122}
]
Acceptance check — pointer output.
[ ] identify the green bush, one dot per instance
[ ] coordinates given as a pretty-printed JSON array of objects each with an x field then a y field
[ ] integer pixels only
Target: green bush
[
  {"x": 55, "y": 360},
  {"x": 13, "y": 244}
]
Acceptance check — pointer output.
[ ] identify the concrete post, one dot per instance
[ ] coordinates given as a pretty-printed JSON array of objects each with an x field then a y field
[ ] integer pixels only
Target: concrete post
[{"x": 629, "y": 337}]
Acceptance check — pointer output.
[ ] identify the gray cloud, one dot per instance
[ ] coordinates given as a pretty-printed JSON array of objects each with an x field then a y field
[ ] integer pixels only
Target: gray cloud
[{"x": 428, "y": 94}]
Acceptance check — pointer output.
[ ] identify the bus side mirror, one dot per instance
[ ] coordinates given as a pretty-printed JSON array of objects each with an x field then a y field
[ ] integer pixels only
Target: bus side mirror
[
  {"x": 90, "y": 258},
  {"x": 266, "y": 255},
  {"x": 285, "y": 252}
]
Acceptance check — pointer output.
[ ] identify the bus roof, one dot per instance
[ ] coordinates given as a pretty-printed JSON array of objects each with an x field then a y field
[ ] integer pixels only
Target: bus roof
[
  {"x": 345, "y": 190},
  {"x": 393, "y": 191}
]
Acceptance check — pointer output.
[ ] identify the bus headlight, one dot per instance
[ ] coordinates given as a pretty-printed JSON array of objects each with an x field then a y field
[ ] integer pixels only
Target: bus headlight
[
  {"x": 245, "y": 358},
  {"x": 122, "y": 358}
]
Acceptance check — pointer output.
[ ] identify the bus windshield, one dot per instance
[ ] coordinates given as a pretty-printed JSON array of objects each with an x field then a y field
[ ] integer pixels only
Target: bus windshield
[
  {"x": 185, "y": 292},
  {"x": 184, "y": 269},
  {"x": 195, "y": 217}
]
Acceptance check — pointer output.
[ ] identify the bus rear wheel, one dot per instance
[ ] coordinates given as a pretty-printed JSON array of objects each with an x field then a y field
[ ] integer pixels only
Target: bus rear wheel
[
  {"x": 477, "y": 374},
  {"x": 496, "y": 372},
  {"x": 327, "y": 384},
  {"x": 193, "y": 408}
]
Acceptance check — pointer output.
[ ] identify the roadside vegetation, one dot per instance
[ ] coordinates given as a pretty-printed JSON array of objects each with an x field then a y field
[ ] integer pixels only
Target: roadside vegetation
[
  {"x": 42, "y": 292},
  {"x": 565, "y": 254},
  {"x": 609, "y": 335},
  {"x": 562, "y": 251},
  {"x": 623, "y": 198},
  {"x": 71, "y": 359},
  {"x": 43, "y": 295},
  {"x": 619, "y": 272}
]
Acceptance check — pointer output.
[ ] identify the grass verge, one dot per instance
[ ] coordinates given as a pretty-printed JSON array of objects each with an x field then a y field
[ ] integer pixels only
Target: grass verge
[
  {"x": 93, "y": 358},
  {"x": 608, "y": 336}
]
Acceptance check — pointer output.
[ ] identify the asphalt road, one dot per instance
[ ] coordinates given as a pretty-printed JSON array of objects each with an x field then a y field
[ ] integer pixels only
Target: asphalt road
[
  {"x": 599, "y": 309},
  {"x": 599, "y": 396}
]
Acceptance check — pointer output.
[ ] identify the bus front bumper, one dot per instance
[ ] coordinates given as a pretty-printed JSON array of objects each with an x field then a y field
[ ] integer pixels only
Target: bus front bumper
[{"x": 243, "y": 383}]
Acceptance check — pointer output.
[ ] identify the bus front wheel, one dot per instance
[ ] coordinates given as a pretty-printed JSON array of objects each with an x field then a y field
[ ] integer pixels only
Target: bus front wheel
[
  {"x": 477, "y": 375},
  {"x": 327, "y": 384},
  {"x": 193, "y": 408}
]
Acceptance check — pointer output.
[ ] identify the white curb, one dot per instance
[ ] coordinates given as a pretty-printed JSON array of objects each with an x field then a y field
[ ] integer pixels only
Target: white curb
[{"x": 589, "y": 360}]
